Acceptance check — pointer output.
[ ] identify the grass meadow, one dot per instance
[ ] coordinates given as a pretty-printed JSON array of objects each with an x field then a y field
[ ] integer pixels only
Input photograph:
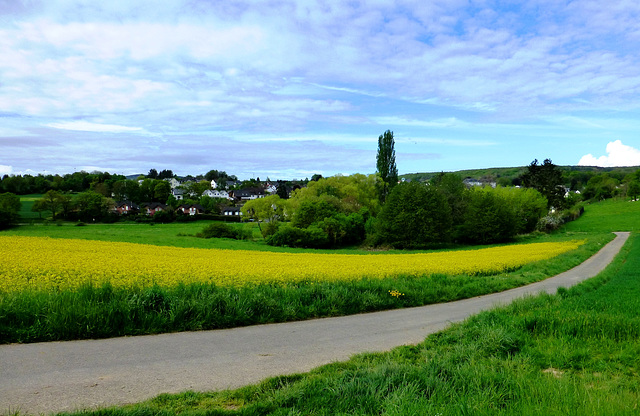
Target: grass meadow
[{"x": 573, "y": 353}]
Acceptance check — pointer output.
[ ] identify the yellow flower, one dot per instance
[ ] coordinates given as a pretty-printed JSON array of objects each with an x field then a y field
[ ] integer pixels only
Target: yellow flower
[{"x": 45, "y": 263}]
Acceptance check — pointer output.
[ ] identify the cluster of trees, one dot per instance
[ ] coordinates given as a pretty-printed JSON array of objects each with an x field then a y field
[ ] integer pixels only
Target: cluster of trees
[
  {"x": 418, "y": 215},
  {"x": 9, "y": 209},
  {"x": 84, "y": 206},
  {"x": 101, "y": 182},
  {"x": 329, "y": 212},
  {"x": 73, "y": 182},
  {"x": 344, "y": 210}
]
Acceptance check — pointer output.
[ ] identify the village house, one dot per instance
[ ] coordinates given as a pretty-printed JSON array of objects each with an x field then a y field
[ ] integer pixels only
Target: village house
[
  {"x": 247, "y": 194},
  {"x": 150, "y": 208},
  {"x": 195, "y": 209},
  {"x": 217, "y": 194},
  {"x": 231, "y": 211},
  {"x": 126, "y": 208}
]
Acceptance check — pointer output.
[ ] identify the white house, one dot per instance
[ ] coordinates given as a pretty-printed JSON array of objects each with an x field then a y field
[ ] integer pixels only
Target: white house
[
  {"x": 173, "y": 182},
  {"x": 216, "y": 194}
]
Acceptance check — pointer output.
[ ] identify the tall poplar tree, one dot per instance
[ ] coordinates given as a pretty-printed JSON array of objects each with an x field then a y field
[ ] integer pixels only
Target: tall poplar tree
[{"x": 386, "y": 164}]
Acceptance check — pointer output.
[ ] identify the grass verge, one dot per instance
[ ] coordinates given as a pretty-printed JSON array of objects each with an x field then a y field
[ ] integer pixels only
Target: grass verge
[{"x": 575, "y": 353}]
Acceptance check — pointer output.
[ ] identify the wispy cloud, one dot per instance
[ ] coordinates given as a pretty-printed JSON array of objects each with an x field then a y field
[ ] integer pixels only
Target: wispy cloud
[
  {"x": 452, "y": 72},
  {"x": 96, "y": 127}
]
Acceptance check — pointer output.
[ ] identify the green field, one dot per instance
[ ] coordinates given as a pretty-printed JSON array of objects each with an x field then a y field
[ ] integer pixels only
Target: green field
[
  {"x": 575, "y": 353},
  {"x": 608, "y": 215}
]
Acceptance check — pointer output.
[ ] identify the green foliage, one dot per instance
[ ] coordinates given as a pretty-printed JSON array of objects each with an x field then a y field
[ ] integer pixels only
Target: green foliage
[
  {"x": 413, "y": 216},
  {"x": 601, "y": 187},
  {"x": 268, "y": 209},
  {"x": 290, "y": 236},
  {"x": 92, "y": 206},
  {"x": 10, "y": 206},
  {"x": 217, "y": 230},
  {"x": 338, "y": 207},
  {"x": 527, "y": 205},
  {"x": 386, "y": 164},
  {"x": 282, "y": 192},
  {"x": 488, "y": 218},
  {"x": 314, "y": 210},
  {"x": 223, "y": 230},
  {"x": 633, "y": 190},
  {"x": 416, "y": 215},
  {"x": 546, "y": 179}
]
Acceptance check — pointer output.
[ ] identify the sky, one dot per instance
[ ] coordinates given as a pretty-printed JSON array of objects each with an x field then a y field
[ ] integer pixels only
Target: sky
[{"x": 287, "y": 89}]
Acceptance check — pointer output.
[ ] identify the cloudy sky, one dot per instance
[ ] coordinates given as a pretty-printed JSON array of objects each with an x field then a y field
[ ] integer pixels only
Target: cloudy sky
[{"x": 286, "y": 89}]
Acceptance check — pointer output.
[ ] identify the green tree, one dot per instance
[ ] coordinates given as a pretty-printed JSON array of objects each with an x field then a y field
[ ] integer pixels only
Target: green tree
[
  {"x": 161, "y": 191},
  {"x": 386, "y": 164},
  {"x": 527, "y": 205},
  {"x": 601, "y": 187},
  {"x": 546, "y": 179},
  {"x": 91, "y": 206},
  {"x": 414, "y": 216},
  {"x": 39, "y": 206},
  {"x": 633, "y": 189},
  {"x": 9, "y": 209},
  {"x": 451, "y": 186},
  {"x": 281, "y": 191},
  {"x": 52, "y": 201},
  {"x": 269, "y": 209},
  {"x": 488, "y": 218}
]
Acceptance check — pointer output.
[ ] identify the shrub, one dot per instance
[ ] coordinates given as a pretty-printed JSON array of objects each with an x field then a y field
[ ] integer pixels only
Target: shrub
[
  {"x": 550, "y": 223},
  {"x": 218, "y": 230},
  {"x": 289, "y": 236}
]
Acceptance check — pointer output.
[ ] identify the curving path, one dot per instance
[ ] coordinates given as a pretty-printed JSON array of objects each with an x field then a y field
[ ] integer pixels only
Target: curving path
[{"x": 66, "y": 376}]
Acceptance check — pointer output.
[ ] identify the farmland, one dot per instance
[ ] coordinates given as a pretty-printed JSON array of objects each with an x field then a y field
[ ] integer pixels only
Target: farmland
[
  {"x": 572, "y": 353},
  {"x": 33, "y": 263},
  {"x": 63, "y": 281}
]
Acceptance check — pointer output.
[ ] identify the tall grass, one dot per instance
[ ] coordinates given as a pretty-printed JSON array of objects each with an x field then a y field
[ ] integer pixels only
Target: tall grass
[{"x": 575, "y": 353}]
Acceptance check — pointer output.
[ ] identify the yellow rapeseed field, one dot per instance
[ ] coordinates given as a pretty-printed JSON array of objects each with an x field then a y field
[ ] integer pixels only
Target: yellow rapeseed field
[{"x": 45, "y": 263}]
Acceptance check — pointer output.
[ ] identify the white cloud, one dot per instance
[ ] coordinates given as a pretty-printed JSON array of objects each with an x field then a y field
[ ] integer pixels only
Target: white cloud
[
  {"x": 5, "y": 170},
  {"x": 618, "y": 154},
  {"x": 101, "y": 128}
]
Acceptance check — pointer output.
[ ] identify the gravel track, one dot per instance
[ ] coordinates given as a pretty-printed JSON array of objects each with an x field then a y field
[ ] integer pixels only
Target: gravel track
[{"x": 66, "y": 376}]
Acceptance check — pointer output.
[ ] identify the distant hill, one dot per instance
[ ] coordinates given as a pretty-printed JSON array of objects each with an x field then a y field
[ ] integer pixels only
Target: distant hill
[{"x": 505, "y": 176}]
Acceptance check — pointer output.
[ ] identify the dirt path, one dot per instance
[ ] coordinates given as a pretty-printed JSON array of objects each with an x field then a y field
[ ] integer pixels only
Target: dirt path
[{"x": 67, "y": 376}]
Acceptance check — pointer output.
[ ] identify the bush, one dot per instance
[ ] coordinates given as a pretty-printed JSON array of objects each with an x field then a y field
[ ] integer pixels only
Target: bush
[
  {"x": 218, "y": 230},
  {"x": 289, "y": 236},
  {"x": 164, "y": 216},
  {"x": 550, "y": 223},
  {"x": 269, "y": 228}
]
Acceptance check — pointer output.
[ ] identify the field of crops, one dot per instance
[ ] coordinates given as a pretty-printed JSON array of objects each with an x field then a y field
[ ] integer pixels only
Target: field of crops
[{"x": 42, "y": 263}]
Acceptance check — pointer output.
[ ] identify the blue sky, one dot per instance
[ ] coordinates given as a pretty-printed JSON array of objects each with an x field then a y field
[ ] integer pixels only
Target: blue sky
[{"x": 286, "y": 89}]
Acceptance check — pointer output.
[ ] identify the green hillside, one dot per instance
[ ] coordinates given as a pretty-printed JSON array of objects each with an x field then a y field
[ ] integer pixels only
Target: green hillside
[{"x": 505, "y": 176}]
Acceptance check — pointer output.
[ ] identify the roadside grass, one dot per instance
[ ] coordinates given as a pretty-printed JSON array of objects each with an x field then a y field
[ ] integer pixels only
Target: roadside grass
[{"x": 574, "y": 353}]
